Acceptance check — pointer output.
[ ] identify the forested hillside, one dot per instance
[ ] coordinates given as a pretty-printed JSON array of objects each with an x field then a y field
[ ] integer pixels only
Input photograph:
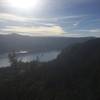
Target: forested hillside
[{"x": 74, "y": 75}]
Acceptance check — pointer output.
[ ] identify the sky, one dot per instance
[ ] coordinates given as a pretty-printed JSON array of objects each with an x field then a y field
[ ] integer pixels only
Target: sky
[{"x": 71, "y": 18}]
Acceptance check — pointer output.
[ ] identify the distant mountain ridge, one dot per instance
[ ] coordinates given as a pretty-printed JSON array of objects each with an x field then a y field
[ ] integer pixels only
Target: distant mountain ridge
[
  {"x": 36, "y": 44},
  {"x": 76, "y": 72}
]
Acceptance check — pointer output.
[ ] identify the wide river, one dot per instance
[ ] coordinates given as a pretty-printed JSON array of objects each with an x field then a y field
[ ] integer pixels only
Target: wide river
[{"x": 27, "y": 57}]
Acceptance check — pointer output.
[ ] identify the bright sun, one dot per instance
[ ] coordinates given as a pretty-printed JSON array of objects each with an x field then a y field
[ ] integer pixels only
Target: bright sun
[{"x": 24, "y": 4}]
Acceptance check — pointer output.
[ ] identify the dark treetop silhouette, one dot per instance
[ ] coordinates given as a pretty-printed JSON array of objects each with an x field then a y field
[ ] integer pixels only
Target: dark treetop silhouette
[{"x": 74, "y": 75}]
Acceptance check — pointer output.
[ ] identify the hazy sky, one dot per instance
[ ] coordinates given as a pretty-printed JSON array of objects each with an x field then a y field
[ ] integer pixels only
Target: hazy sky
[{"x": 50, "y": 17}]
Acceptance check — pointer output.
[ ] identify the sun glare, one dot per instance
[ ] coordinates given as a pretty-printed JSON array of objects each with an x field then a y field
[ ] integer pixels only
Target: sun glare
[{"x": 23, "y": 4}]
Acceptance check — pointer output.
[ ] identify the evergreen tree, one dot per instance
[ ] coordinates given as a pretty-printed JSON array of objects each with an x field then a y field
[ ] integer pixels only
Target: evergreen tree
[{"x": 12, "y": 58}]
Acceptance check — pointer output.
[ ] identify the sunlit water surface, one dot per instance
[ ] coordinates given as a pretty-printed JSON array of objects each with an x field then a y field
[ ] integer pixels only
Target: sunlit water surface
[{"x": 27, "y": 57}]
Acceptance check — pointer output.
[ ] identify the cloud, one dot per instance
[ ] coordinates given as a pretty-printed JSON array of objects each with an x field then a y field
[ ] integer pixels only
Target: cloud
[
  {"x": 76, "y": 24},
  {"x": 42, "y": 30},
  {"x": 90, "y": 30},
  {"x": 69, "y": 17},
  {"x": 95, "y": 30},
  {"x": 12, "y": 17},
  {"x": 30, "y": 25}
]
